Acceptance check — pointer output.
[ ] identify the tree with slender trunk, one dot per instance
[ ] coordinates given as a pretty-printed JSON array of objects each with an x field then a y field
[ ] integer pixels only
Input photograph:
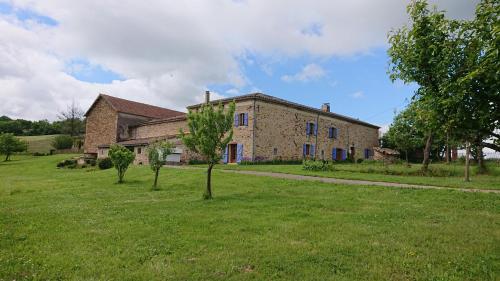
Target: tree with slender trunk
[
  {"x": 71, "y": 120},
  {"x": 9, "y": 144},
  {"x": 210, "y": 131},
  {"x": 157, "y": 157},
  {"x": 121, "y": 157},
  {"x": 467, "y": 162}
]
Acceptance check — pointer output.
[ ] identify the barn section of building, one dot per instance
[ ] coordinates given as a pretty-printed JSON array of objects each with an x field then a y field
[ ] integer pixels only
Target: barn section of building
[{"x": 265, "y": 128}]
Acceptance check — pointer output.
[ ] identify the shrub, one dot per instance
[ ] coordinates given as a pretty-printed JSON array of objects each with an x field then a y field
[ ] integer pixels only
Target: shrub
[
  {"x": 121, "y": 157},
  {"x": 105, "y": 163},
  {"x": 311, "y": 165},
  {"x": 39, "y": 154},
  {"x": 196, "y": 162},
  {"x": 62, "y": 142},
  {"x": 92, "y": 162},
  {"x": 359, "y": 161},
  {"x": 68, "y": 163},
  {"x": 271, "y": 162}
]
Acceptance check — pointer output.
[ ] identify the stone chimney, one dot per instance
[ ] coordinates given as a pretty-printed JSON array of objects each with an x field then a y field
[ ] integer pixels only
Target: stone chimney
[
  {"x": 207, "y": 97},
  {"x": 325, "y": 107}
]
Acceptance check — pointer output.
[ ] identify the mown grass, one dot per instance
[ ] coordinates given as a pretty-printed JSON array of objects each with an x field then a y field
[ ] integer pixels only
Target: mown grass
[
  {"x": 80, "y": 225},
  {"x": 40, "y": 144},
  {"x": 390, "y": 173}
]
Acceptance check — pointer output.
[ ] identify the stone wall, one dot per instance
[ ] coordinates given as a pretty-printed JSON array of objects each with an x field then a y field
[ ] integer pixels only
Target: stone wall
[
  {"x": 244, "y": 134},
  {"x": 159, "y": 129},
  {"x": 101, "y": 126},
  {"x": 282, "y": 129}
]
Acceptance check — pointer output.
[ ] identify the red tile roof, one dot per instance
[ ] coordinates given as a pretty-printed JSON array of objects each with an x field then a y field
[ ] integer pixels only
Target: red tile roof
[{"x": 137, "y": 108}]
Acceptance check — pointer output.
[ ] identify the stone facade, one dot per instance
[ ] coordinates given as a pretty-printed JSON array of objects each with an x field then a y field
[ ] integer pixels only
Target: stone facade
[
  {"x": 281, "y": 134},
  {"x": 101, "y": 127},
  {"x": 267, "y": 129}
]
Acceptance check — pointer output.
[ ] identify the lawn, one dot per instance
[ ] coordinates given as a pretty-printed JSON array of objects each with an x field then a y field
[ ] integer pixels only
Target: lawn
[
  {"x": 41, "y": 144},
  {"x": 80, "y": 225},
  {"x": 391, "y": 173}
]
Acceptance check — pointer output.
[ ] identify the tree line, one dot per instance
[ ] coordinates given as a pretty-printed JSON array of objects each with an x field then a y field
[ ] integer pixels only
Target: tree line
[
  {"x": 455, "y": 64},
  {"x": 70, "y": 122}
]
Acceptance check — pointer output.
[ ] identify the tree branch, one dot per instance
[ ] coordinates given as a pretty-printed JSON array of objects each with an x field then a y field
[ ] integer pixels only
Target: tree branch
[{"x": 491, "y": 145}]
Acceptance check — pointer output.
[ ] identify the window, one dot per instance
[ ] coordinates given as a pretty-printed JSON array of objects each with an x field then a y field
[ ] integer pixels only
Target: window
[
  {"x": 139, "y": 150},
  {"x": 308, "y": 150},
  {"x": 332, "y": 133},
  {"x": 311, "y": 129},
  {"x": 240, "y": 119},
  {"x": 275, "y": 151},
  {"x": 367, "y": 153},
  {"x": 322, "y": 155}
]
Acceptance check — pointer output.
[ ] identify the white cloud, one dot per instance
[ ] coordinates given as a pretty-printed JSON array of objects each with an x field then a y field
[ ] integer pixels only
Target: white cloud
[
  {"x": 358, "y": 95},
  {"x": 308, "y": 73},
  {"x": 169, "y": 51}
]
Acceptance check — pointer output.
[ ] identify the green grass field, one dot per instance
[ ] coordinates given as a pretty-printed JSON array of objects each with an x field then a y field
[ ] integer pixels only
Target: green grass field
[
  {"x": 390, "y": 173},
  {"x": 41, "y": 144},
  {"x": 80, "y": 225}
]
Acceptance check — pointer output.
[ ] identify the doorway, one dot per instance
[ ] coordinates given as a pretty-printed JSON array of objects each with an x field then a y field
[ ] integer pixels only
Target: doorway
[{"x": 232, "y": 153}]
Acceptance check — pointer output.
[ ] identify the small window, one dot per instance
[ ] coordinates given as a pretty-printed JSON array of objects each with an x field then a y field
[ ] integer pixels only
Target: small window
[
  {"x": 241, "y": 119},
  {"x": 307, "y": 150},
  {"x": 275, "y": 151},
  {"x": 322, "y": 155},
  {"x": 139, "y": 151}
]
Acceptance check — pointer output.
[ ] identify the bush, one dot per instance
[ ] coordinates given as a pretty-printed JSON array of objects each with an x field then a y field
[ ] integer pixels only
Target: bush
[
  {"x": 360, "y": 160},
  {"x": 39, "y": 154},
  {"x": 92, "y": 162},
  {"x": 122, "y": 157},
  {"x": 62, "y": 142},
  {"x": 68, "y": 163},
  {"x": 105, "y": 163},
  {"x": 272, "y": 162},
  {"x": 196, "y": 162},
  {"x": 311, "y": 165}
]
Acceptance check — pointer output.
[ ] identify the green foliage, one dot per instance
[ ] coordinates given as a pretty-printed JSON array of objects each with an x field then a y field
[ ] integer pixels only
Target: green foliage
[
  {"x": 62, "y": 142},
  {"x": 105, "y": 163},
  {"x": 67, "y": 163},
  {"x": 121, "y": 158},
  {"x": 21, "y": 127},
  {"x": 9, "y": 144},
  {"x": 210, "y": 131},
  {"x": 271, "y": 162},
  {"x": 157, "y": 156},
  {"x": 312, "y": 165}
]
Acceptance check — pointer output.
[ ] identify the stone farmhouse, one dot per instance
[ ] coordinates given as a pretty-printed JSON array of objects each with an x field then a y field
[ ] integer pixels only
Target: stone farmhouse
[{"x": 265, "y": 128}]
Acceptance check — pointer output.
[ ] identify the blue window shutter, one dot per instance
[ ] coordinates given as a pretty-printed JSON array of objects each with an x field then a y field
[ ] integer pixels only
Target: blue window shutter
[
  {"x": 344, "y": 154},
  {"x": 312, "y": 151},
  {"x": 330, "y": 133},
  {"x": 225, "y": 155},
  {"x": 304, "y": 150},
  {"x": 239, "y": 152},
  {"x": 334, "y": 153},
  {"x": 245, "y": 121},
  {"x": 236, "y": 119},
  {"x": 307, "y": 129}
]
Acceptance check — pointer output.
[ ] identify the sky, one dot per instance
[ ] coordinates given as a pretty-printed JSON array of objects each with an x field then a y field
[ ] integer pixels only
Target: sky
[{"x": 167, "y": 53}]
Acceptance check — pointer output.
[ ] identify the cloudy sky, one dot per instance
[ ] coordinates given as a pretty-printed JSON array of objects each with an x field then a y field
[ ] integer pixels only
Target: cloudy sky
[{"x": 169, "y": 52}]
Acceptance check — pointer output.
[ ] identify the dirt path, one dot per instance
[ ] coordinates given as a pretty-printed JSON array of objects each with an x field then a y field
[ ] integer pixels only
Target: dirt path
[{"x": 346, "y": 181}]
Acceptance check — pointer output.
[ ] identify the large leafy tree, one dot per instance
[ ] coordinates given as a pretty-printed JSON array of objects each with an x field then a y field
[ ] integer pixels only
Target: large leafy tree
[
  {"x": 157, "y": 157},
  {"x": 419, "y": 54},
  {"x": 404, "y": 134},
  {"x": 121, "y": 158},
  {"x": 210, "y": 131},
  {"x": 9, "y": 144}
]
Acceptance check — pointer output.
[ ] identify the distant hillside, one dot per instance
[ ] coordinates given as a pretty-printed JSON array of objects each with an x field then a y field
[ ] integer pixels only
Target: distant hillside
[{"x": 42, "y": 144}]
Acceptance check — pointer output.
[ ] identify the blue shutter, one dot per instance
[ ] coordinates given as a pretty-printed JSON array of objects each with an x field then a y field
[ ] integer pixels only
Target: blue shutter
[
  {"x": 304, "y": 150},
  {"x": 312, "y": 154},
  {"x": 245, "y": 120},
  {"x": 334, "y": 153},
  {"x": 236, "y": 119},
  {"x": 330, "y": 132},
  {"x": 307, "y": 130},
  {"x": 344, "y": 154},
  {"x": 239, "y": 152},
  {"x": 315, "y": 129},
  {"x": 225, "y": 155}
]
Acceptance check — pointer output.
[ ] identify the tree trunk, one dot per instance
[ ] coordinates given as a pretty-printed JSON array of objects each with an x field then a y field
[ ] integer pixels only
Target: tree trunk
[
  {"x": 157, "y": 171},
  {"x": 120, "y": 176},
  {"x": 407, "y": 162},
  {"x": 480, "y": 159},
  {"x": 447, "y": 148},
  {"x": 467, "y": 161},
  {"x": 7, "y": 156},
  {"x": 427, "y": 152},
  {"x": 208, "y": 193}
]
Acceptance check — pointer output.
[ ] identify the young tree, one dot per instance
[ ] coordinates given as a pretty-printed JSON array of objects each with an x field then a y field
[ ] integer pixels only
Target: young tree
[
  {"x": 121, "y": 158},
  {"x": 210, "y": 131},
  {"x": 157, "y": 156},
  {"x": 71, "y": 120},
  {"x": 10, "y": 144},
  {"x": 418, "y": 54}
]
